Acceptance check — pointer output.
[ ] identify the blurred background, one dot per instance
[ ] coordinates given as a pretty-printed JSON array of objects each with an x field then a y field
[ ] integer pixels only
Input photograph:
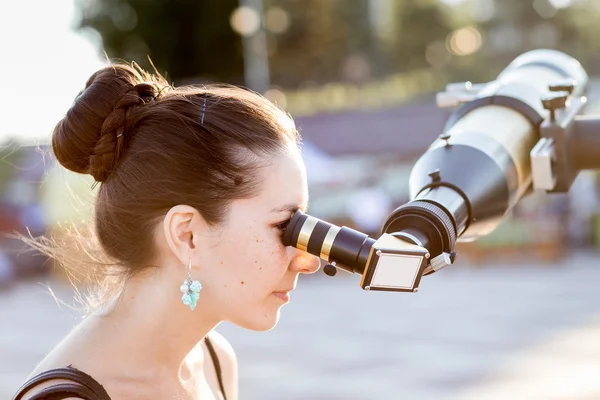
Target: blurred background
[{"x": 517, "y": 317}]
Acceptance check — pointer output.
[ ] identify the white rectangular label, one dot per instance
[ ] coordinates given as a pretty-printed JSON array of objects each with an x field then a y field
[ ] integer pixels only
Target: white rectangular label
[{"x": 396, "y": 271}]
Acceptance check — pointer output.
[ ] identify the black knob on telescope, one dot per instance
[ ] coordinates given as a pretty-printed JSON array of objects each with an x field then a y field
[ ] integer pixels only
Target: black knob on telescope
[{"x": 330, "y": 270}]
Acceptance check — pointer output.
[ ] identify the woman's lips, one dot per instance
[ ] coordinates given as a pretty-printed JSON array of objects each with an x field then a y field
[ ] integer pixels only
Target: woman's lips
[{"x": 285, "y": 296}]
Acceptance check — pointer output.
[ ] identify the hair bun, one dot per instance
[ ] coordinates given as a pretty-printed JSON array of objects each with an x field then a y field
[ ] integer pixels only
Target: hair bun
[{"x": 91, "y": 138}]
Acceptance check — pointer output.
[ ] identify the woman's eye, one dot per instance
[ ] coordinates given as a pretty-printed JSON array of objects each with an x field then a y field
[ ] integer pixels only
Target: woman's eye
[{"x": 283, "y": 225}]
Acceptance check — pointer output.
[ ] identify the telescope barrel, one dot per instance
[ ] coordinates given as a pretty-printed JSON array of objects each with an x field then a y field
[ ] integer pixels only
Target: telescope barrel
[
  {"x": 347, "y": 248},
  {"x": 478, "y": 169},
  {"x": 483, "y": 155}
]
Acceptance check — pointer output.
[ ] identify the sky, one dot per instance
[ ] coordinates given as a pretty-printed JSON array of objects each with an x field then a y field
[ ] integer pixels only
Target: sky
[{"x": 44, "y": 63}]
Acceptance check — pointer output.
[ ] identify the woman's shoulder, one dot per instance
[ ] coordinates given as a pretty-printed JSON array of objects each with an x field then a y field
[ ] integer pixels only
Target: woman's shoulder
[
  {"x": 66, "y": 383},
  {"x": 222, "y": 346},
  {"x": 228, "y": 363}
]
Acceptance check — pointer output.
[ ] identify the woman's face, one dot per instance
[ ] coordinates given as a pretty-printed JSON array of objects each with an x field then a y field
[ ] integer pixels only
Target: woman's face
[{"x": 247, "y": 271}]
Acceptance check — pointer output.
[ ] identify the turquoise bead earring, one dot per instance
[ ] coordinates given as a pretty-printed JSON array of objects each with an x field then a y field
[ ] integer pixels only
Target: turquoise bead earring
[{"x": 190, "y": 289}]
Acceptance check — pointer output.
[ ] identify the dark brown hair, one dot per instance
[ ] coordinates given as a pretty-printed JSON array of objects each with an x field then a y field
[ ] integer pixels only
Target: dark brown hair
[{"x": 152, "y": 146}]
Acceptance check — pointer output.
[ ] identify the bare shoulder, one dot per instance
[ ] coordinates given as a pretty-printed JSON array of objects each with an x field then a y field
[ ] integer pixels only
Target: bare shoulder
[
  {"x": 228, "y": 362},
  {"x": 222, "y": 346}
]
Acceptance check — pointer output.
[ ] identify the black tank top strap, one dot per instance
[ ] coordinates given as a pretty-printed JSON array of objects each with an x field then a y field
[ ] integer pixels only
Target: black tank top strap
[
  {"x": 215, "y": 359},
  {"x": 80, "y": 385},
  {"x": 83, "y": 386}
]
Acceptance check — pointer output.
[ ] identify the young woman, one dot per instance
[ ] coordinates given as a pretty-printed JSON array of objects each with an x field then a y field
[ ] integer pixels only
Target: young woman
[{"x": 196, "y": 188}]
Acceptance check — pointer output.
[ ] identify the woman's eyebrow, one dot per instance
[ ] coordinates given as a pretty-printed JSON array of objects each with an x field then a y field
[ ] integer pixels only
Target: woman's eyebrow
[{"x": 288, "y": 207}]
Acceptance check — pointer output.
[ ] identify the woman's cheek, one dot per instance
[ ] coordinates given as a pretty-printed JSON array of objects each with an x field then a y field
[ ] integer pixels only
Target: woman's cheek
[
  {"x": 269, "y": 251},
  {"x": 278, "y": 252}
]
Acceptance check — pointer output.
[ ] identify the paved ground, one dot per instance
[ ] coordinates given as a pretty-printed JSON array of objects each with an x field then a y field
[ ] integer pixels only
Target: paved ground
[{"x": 518, "y": 331}]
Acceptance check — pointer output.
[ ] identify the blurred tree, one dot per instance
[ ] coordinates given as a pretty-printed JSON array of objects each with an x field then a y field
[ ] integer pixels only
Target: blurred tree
[
  {"x": 308, "y": 40},
  {"x": 187, "y": 39},
  {"x": 421, "y": 23},
  {"x": 315, "y": 41},
  {"x": 355, "y": 40},
  {"x": 321, "y": 38},
  {"x": 517, "y": 26}
]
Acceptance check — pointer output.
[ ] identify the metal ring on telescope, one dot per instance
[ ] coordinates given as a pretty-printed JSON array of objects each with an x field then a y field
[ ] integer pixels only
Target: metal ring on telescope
[
  {"x": 328, "y": 242},
  {"x": 305, "y": 232},
  {"x": 518, "y": 105}
]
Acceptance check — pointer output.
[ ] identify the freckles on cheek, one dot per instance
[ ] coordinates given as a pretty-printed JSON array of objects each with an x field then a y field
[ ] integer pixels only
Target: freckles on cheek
[
  {"x": 263, "y": 248},
  {"x": 269, "y": 256}
]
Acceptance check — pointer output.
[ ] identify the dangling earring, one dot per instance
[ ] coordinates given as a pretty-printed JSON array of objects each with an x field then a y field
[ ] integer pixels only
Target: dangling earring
[{"x": 190, "y": 289}]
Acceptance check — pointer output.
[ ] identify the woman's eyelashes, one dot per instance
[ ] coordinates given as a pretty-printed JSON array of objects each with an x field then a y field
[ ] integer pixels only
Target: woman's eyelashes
[{"x": 282, "y": 226}]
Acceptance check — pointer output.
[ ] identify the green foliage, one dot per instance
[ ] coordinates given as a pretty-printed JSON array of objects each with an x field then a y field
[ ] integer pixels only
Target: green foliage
[
  {"x": 191, "y": 39},
  {"x": 420, "y": 24},
  {"x": 186, "y": 39},
  {"x": 341, "y": 40},
  {"x": 322, "y": 34}
]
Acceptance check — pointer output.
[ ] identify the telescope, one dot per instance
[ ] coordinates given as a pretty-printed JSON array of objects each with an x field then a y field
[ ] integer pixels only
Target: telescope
[{"x": 521, "y": 132}]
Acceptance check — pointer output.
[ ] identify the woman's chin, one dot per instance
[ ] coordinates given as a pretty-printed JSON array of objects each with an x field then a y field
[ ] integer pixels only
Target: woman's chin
[{"x": 261, "y": 323}]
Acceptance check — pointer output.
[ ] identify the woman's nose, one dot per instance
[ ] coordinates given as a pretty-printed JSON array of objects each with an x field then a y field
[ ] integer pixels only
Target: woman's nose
[{"x": 305, "y": 263}]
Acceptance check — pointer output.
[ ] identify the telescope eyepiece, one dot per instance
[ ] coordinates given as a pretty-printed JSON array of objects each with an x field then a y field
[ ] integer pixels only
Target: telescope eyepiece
[{"x": 348, "y": 248}]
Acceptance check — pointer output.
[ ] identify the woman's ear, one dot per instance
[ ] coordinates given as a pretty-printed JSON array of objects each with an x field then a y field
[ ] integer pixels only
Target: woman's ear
[{"x": 183, "y": 228}]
